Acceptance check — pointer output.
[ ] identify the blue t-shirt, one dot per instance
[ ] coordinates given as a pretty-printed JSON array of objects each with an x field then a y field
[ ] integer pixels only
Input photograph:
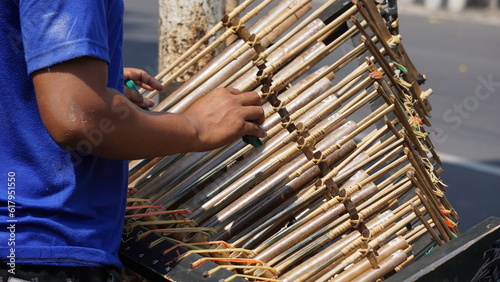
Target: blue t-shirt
[{"x": 57, "y": 207}]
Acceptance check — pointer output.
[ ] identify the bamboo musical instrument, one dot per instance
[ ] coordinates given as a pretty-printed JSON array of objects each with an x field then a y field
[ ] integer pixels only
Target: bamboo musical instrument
[{"x": 346, "y": 169}]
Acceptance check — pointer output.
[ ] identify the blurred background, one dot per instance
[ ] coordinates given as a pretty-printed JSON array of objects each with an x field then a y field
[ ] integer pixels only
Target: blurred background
[{"x": 456, "y": 44}]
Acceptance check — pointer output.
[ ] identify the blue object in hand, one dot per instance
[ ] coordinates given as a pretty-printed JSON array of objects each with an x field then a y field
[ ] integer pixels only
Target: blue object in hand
[{"x": 131, "y": 85}]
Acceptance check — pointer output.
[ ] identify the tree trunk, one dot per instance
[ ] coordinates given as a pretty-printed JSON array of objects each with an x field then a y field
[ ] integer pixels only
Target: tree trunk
[{"x": 181, "y": 24}]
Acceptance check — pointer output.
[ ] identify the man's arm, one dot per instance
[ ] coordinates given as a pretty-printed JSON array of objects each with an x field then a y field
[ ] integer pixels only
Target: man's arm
[{"x": 76, "y": 106}]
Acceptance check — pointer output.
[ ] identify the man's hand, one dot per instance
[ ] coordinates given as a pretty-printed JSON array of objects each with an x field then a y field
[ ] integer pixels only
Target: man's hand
[
  {"x": 224, "y": 115},
  {"x": 141, "y": 79},
  {"x": 78, "y": 108}
]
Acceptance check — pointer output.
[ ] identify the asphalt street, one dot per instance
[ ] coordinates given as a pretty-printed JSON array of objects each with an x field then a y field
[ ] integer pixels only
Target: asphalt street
[{"x": 458, "y": 53}]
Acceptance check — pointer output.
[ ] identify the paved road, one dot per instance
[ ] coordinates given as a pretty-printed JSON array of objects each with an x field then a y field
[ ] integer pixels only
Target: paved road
[{"x": 459, "y": 54}]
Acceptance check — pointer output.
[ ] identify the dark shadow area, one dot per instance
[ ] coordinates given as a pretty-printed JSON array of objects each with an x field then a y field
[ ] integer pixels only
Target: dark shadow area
[{"x": 473, "y": 194}]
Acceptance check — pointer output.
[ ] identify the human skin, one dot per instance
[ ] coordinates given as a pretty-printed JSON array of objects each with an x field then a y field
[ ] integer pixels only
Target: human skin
[{"x": 74, "y": 102}]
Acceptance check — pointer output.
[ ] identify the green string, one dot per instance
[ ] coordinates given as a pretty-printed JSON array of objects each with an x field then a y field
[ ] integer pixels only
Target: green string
[
  {"x": 430, "y": 249},
  {"x": 400, "y": 67},
  {"x": 434, "y": 244}
]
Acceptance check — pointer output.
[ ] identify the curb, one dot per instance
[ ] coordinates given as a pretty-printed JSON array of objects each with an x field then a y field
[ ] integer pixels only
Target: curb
[{"x": 480, "y": 15}]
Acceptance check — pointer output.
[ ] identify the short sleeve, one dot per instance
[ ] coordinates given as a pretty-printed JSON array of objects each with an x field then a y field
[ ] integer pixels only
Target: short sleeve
[{"x": 55, "y": 31}]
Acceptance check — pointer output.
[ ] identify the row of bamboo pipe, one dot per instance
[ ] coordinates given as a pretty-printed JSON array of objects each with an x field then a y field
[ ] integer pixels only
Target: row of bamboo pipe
[{"x": 320, "y": 200}]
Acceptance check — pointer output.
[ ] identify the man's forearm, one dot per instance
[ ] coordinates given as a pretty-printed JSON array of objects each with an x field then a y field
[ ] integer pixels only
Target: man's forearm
[{"x": 81, "y": 113}]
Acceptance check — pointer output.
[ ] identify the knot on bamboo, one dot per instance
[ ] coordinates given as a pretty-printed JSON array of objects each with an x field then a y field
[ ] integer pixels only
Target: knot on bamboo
[
  {"x": 365, "y": 241},
  {"x": 287, "y": 122},
  {"x": 226, "y": 20},
  {"x": 236, "y": 25},
  {"x": 308, "y": 152},
  {"x": 304, "y": 143},
  {"x": 261, "y": 60},
  {"x": 254, "y": 42},
  {"x": 267, "y": 90},
  {"x": 332, "y": 189},
  {"x": 237, "y": 28},
  {"x": 357, "y": 222},
  {"x": 318, "y": 158},
  {"x": 394, "y": 41},
  {"x": 264, "y": 76},
  {"x": 343, "y": 197},
  {"x": 367, "y": 250},
  {"x": 279, "y": 106}
]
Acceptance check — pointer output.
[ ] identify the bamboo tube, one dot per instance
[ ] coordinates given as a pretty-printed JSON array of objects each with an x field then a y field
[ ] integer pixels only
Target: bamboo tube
[
  {"x": 413, "y": 237},
  {"x": 304, "y": 23},
  {"x": 370, "y": 206},
  {"x": 297, "y": 74},
  {"x": 303, "y": 231},
  {"x": 301, "y": 96},
  {"x": 261, "y": 152},
  {"x": 383, "y": 201},
  {"x": 168, "y": 175},
  {"x": 135, "y": 165},
  {"x": 363, "y": 265},
  {"x": 233, "y": 152},
  {"x": 278, "y": 53},
  {"x": 268, "y": 203},
  {"x": 287, "y": 153},
  {"x": 415, "y": 231},
  {"x": 348, "y": 167},
  {"x": 427, "y": 226},
  {"x": 262, "y": 22},
  {"x": 298, "y": 96},
  {"x": 331, "y": 235},
  {"x": 408, "y": 261},
  {"x": 321, "y": 261},
  {"x": 325, "y": 206},
  {"x": 295, "y": 169},
  {"x": 383, "y": 35},
  {"x": 365, "y": 83},
  {"x": 270, "y": 148},
  {"x": 282, "y": 215},
  {"x": 362, "y": 146},
  {"x": 384, "y": 159},
  {"x": 271, "y": 67},
  {"x": 373, "y": 119},
  {"x": 385, "y": 65},
  {"x": 234, "y": 58},
  {"x": 350, "y": 239},
  {"x": 385, "y": 266},
  {"x": 325, "y": 273},
  {"x": 250, "y": 236},
  {"x": 278, "y": 85},
  {"x": 328, "y": 29},
  {"x": 291, "y": 71},
  {"x": 381, "y": 152},
  {"x": 333, "y": 106},
  {"x": 142, "y": 170},
  {"x": 315, "y": 89}
]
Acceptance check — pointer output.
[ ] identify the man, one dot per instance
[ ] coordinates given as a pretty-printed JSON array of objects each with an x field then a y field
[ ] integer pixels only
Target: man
[{"x": 66, "y": 130}]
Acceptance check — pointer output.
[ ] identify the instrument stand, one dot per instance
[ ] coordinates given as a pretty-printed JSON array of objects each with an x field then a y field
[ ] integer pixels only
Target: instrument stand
[
  {"x": 457, "y": 260},
  {"x": 153, "y": 265}
]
